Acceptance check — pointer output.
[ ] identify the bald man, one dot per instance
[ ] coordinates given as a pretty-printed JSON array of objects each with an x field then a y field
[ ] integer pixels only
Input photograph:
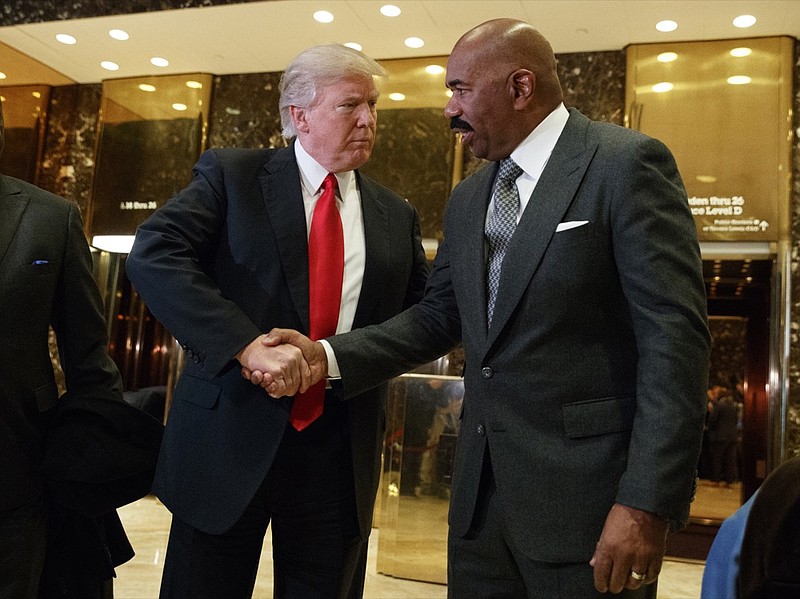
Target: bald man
[{"x": 571, "y": 272}]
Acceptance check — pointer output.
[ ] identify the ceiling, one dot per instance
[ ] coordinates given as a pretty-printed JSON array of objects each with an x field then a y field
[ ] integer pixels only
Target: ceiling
[{"x": 265, "y": 36}]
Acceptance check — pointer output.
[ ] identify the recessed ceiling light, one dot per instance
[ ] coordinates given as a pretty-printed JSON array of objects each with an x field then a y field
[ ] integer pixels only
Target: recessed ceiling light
[
  {"x": 66, "y": 38},
  {"x": 397, "y": 96},
  {"x": 414, "y": 42},
  {"x": 323, "y": 16},
  {"x": 191, "y": 83},
  {"x": 118, "y": 34},
  {"x": 448, "y": 93},
  {"x": 739, "y": 80},
  {"x": 740, "y": 52},
  {"x": 179, "y": 106},
  {"x": 666, "y": 26},
  {"x": 434, "y": 69},
  {"x": 354, "y": 46},
  {"x": 36, "y": 94},
  {"x": 146, "y": 87},
  {"x": 157, "y": 61},
  {"x": 390, "y": 10},
  {"x": 744, "y": 21},
  {"x": 2, "y": 75},
  {"x": 667, "y": 57},
  {"x": 109, "y": 66},
  {"x": 662, "y": 87}
]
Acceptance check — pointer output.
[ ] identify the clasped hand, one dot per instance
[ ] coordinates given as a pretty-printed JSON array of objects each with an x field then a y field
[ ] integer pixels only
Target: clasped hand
[{"x": 283, "y": 362}]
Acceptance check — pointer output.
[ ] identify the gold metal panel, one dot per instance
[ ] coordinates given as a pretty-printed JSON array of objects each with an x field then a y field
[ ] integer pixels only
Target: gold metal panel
[{"x": 727, "y": 120}]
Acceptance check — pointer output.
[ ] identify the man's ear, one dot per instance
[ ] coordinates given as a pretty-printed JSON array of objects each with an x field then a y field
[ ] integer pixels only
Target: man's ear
[
  {"x": 522, "y": 86},
  {"x": 299, "y": 118}
]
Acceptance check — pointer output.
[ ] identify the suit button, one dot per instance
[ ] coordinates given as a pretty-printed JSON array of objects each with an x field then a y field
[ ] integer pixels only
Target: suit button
[
  {"x": 481, "y": 430},
  {"x": 196, "y": 359},
  {"x": 487, "y": 372}
]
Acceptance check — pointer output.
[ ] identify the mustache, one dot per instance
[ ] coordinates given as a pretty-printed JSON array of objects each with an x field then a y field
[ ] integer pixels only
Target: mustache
[{"x": 457, "y": 123}]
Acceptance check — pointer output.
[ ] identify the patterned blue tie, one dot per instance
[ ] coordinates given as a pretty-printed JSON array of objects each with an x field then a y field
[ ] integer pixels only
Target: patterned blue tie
[{"x": 501, "y": 226}]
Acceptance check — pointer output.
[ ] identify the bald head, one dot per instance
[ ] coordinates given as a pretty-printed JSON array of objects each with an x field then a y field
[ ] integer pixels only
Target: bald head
[
  {"x": 504, "y": 81},
  {"x": 508, "y": 44}
]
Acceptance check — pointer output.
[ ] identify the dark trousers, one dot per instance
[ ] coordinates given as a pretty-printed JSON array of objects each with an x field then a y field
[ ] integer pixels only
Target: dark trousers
[
  {"x": 724, "y": 461},
  {"x": 308, "y": 497},
  {"x": 23, "y": 539},
  {"x": 485, "y": 564}
]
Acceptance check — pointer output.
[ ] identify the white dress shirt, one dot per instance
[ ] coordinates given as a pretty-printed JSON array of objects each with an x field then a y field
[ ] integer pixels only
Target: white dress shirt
[
  {"x": 348, "y": 200},
  {"x": 532, "y": 155}
]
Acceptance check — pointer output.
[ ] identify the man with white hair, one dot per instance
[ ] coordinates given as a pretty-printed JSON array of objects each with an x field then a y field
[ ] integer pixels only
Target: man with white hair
[{"x": 292, "y": 237}]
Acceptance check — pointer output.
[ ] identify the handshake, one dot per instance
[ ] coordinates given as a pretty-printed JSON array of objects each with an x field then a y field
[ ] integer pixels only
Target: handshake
[{"x": 283, "y": 362}]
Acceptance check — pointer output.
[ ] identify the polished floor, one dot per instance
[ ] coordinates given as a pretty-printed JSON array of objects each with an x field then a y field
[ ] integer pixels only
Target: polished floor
[{"x": 147, "y": 524}]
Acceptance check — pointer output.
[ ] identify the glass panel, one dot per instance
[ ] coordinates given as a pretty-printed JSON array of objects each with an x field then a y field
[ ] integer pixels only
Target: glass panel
[
  {"x": 723, "y": 108},
  {"x": 24, "y": 115},
  {"x": 422, "y": 426},
  {"x": 152, "y": 130}
]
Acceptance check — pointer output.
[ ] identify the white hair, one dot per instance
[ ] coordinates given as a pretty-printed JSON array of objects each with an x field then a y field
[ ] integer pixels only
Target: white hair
[{"x": 315, "y": 68}]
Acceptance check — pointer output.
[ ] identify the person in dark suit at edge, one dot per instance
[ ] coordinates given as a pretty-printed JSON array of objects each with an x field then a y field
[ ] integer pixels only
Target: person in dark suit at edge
[
  {"x": 232, "y": 256},
  {"x": 45, "y": 281},
  {"x": 586, "y": 353}
]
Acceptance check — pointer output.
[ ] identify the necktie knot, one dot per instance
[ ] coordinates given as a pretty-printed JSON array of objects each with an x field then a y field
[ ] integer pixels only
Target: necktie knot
[
  {"x": 330, "y": 183},
  {"x": 509, "y": 170}
]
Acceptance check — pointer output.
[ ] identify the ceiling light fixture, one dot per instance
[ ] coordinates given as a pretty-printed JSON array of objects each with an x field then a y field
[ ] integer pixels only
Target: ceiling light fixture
[
  {"x": 414, "y": 42},
  {"x": 741, "y": 52},
  {"x": 157, "y": 61},
  {"x": 666, "y": 26},
  {"x": 66, "y": 38},
  {"x": 434, "y": 69},
  {"x": 739, "y": 80},
  {"x": 354, "y": 46},
  {"x": 662, "y": 87},
  {"x": 118, "y": 34},
  {"x": 390, "y": 10},
  {"x": 109, "y": 66},
  {"x": 146, "y": 87},
  {"x": 2, "y": 75},
  {"x": 667, "y": 57},
  {"x": 179, "y": 106},
  {"x": 323, "y": 16},
  {"x": 744, "y": 21},
  {"x": 397, "y": 96},
  {"x": 192, "y": 84}
]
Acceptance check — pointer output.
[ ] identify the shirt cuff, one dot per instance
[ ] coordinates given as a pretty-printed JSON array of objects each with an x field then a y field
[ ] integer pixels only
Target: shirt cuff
[{"x": 333, "y": 365}]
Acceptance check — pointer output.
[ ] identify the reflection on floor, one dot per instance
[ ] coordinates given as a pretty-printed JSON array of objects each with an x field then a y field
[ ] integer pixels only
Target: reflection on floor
[
  {"x": 147, "y": 525},
  {"x": 716, "y": 502}
]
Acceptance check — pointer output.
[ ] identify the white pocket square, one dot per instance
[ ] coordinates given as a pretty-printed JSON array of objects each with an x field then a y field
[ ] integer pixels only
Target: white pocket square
[{"x": 570, "y": 224}]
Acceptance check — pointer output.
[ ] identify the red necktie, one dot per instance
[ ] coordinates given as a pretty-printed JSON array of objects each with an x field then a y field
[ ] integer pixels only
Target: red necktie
[{"x": 325, "y": 272}]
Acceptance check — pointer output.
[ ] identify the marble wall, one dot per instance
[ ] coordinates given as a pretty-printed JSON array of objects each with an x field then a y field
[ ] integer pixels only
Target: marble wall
[
  {"x": 70, "y": 142},
  {"x": 793, "y": 418}
]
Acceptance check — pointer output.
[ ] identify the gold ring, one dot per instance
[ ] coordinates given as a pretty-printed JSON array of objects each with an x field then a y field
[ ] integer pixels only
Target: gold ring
[{"x": 637, "y": 576}]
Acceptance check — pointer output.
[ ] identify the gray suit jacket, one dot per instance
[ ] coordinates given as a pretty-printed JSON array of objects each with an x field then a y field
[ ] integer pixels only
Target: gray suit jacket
[
  {"x": 589, "y": 387},
  {"x": 225, "y": 260},
  {"x": 45, "y": 280}
]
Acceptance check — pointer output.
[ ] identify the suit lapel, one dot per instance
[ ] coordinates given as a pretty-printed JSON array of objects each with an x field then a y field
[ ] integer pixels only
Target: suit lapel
[
  {"x": 473, "y": 260},
  {"x": 376, "y": 240},
  {"x": 551, "y": 198},
  {"x": 12, "y": 205},
  {"x": 283, "y": 197}
]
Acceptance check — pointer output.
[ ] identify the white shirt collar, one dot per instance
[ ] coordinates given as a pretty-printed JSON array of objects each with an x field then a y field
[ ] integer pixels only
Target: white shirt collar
[
  {"x": 532, "y": 154},
  {"x": 312, "y": 173}
]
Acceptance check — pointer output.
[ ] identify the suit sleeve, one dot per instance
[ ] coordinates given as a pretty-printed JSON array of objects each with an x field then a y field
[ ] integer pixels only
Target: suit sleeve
[
  {"x": 171, "y": 266},
  {"x": 423, "y": 332},
  {"x": 79, "y": 323},
  {"x": 658, "y": 259}
]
